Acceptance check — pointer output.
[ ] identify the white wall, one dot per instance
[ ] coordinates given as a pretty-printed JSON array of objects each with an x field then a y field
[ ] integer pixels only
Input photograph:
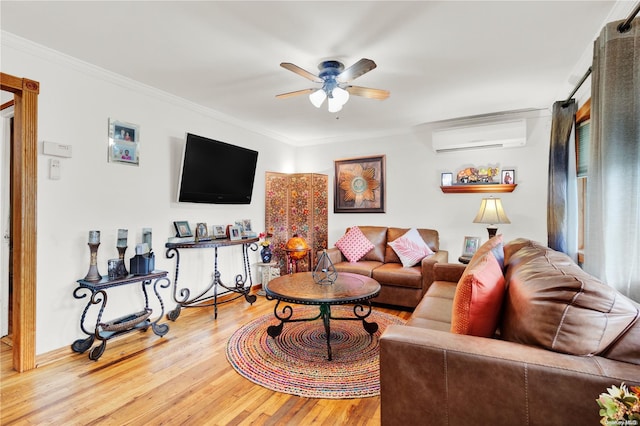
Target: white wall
[
  {"x": 414, "y": 198},
  {"x": 75, "y": 103}
]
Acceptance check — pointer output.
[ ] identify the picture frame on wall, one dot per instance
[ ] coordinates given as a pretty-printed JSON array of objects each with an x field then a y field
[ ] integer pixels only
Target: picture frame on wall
[
  {"x": 446, "y": 179},
  {"x": 470, "y": 246},
  {"x": 183, "y": 229},
  {"x": 508, "y": 177},
  {"x": 360, "y": 185},
  {"x": 124, "y": 142}
]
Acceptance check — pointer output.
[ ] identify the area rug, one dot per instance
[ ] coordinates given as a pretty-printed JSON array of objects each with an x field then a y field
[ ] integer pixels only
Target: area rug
[{"x": 296, "y": 361}]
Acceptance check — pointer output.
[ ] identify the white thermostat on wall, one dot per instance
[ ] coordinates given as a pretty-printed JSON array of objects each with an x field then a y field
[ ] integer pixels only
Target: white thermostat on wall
[{"x": 57, "y": 149}]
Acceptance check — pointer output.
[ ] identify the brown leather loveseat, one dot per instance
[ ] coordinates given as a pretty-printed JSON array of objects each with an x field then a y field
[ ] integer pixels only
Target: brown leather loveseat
[
  {"x": 401, "y": 286},
  {"x": 561, "y": 339}
]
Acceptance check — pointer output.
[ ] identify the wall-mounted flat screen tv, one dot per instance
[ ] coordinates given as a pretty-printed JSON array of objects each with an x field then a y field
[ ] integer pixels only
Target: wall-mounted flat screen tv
[{"x": 216, "y": 172}]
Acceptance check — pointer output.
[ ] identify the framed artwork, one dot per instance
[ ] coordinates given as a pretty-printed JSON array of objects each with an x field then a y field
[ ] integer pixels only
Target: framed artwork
[
  {"x": 202, "y": 232},
  {"x": 446, "y": 179},
  {"x": 360, "y": 185},
  {"x": 183, "y": 229},
  {"x": 508, "y": 177},
  {"x": 470, "y": 246},
  {"x": 219, "y": 231},
  {"x": 124, "y": 142},
  {"x": 235, "y": 232}
]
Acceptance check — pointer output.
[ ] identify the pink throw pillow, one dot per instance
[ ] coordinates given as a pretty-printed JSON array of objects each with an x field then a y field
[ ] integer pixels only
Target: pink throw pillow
[
  {"x": 354, "y": 245},
  {"x": 410, "y": 248}
]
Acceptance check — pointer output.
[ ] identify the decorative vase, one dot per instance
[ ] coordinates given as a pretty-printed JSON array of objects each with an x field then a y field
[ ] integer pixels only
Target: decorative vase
[{"x": 266, "y": 254}]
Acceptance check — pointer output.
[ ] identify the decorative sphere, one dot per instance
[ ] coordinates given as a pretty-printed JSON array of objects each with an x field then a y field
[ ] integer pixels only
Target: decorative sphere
[{"x": 297, "y": 248}]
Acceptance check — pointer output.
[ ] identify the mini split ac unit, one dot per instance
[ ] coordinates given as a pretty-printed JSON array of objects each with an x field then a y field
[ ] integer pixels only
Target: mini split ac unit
[{"x": 501, "y": 134}]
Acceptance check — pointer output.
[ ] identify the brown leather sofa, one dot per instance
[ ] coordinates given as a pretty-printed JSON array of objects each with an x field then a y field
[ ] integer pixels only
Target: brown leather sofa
[
  {"x": 563, "y": 338},
  {"x": 400, "y": 286}
]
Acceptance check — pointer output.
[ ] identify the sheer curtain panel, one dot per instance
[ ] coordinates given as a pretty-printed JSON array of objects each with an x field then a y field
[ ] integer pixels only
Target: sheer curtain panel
[{"x": 612, "y": 249}]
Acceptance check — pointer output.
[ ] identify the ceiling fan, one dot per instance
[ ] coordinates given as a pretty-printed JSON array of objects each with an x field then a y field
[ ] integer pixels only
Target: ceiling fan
[{"x": 335, "y": 81}]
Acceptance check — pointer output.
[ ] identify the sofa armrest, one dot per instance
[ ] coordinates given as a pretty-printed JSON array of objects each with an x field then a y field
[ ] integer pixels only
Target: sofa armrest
[
  {"x": 428, "y": 264},
  {"x": 451, "y": 272},
  {"x": 335, "y": 255},
  {"x": 456, "y": 379}
]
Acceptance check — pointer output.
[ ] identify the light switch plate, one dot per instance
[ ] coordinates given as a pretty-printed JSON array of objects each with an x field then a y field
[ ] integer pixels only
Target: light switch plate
[{"x": 54, "y": 169}]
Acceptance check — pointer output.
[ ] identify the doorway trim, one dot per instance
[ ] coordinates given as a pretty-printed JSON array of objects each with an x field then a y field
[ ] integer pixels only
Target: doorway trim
[{"x": 24, "y": 181}]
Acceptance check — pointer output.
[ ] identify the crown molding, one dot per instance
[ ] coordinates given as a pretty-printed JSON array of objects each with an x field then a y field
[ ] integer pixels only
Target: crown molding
[{"x": 43, "y": 52}]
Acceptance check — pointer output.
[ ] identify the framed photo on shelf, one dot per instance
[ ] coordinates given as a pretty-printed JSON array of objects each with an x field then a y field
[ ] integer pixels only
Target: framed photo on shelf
[
  {"x": 183, "y": 229},
  {"x": 446, "y": 179},
  {"x": 246, "y": 225},
  {"x": 360, "y": 185},
  {"x": 235, "y": 232},
  {"x": 202, "y": 232},
  {"x": 508, "y": 177},
  {"x": 124, "y": 142},
  {"x": 470, "y": 246},
  {"x": 219, "y": 231}
]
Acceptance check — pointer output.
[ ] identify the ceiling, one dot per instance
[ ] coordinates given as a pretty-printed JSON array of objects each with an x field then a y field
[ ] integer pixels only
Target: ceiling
[{"x": 439, "y": 59}]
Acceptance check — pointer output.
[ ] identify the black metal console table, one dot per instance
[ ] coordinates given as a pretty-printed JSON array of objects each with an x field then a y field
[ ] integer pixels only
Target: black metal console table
[
  {"x": 184, "y": 300},
  {"x": 136, "y": 321}
]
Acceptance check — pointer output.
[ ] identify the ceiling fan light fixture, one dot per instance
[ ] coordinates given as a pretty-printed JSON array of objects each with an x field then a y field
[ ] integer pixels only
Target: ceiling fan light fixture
[
  {"x": 340, "y": 94},
  {"x": 317, "y": 98},
  {"x": 334, "y": 104}
]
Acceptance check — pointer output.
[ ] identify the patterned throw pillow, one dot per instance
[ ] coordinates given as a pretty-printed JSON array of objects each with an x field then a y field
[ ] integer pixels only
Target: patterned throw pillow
[
  {"x": 410, "y": 248},
  {"x": 480, "y": 291},
  {"x": 354, "y": 245}
]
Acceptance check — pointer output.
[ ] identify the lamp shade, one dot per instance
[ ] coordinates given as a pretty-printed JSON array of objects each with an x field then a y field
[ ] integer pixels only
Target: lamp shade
[{"x": 491, "y": 212}]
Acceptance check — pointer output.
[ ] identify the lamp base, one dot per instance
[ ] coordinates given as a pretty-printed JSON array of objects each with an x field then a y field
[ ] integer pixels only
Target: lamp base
[{"x": 492, "y": 232}]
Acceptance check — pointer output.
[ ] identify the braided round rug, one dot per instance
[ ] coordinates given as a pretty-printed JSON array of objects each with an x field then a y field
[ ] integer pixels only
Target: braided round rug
[{"x": 296, "y": 361}]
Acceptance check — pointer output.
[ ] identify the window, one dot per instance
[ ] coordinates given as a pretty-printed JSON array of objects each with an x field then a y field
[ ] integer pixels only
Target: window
[{"x": 583, "y": 137}]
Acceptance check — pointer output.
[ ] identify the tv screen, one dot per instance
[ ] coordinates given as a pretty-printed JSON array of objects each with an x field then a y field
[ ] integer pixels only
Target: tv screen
[{"x": 216, "y": 172}]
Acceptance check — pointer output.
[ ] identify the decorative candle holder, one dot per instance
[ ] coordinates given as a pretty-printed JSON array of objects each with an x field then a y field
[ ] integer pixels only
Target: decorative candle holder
[
  {"x": 123, "y": 269},
  {"x": 324, "y": 272},
  {"x": 93, "y": 274}
]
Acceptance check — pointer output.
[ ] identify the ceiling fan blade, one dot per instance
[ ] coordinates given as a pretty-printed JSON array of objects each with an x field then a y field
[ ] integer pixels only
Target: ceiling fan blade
[
  {"x": 363, "y": 66},
  {"x": 300, "y": 71},
  {"x": 368, "y": 92},
  {"x": 296, "y": 93}
]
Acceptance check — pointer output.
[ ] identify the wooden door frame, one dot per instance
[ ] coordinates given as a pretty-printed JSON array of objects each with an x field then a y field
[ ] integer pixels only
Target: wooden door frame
[{"x": 24, "y": 187}]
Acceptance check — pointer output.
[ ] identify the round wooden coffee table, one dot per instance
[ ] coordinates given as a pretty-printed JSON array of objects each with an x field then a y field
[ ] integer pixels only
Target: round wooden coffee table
[{"x": 301, "y": 289}]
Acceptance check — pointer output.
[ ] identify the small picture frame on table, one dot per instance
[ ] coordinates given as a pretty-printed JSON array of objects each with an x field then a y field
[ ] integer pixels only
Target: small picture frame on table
[
  {"x": 219, "y": 231},
  {"x": 235, "y": 232},
  {"x": 508, "y": 177},
  {"x": 183, "y": 229},
  {"x": 470, "y": 246},
  {"x": 202, "y": 232},
  {"x": 446, "y": 179}
]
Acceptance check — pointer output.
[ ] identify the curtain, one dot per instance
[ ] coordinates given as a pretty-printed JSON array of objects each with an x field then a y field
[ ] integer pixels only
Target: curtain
[
  {"x": 562, "y": 194},
  {"x": 612, "y": 249}
]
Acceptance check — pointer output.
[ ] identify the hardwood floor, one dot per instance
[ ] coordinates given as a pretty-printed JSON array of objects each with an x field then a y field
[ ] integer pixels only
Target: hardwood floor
[{"x": 181, "y": 378}]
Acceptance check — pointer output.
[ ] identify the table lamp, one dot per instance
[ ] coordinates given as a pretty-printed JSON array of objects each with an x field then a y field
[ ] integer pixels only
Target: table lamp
[{"x": 492, "y": 213}]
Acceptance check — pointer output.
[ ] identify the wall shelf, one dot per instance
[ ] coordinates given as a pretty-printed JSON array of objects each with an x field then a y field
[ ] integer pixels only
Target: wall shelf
[{"x": 478, "y": 188}]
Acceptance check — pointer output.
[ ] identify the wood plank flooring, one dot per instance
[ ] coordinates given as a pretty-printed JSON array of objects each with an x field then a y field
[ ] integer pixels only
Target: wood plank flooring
[{"x": 181, "y": 378}]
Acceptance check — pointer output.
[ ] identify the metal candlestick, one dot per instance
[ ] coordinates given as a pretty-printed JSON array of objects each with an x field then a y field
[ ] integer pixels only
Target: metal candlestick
[
  {"x": 123, "y": 271},
  {"x": 93, "y": 274}
]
